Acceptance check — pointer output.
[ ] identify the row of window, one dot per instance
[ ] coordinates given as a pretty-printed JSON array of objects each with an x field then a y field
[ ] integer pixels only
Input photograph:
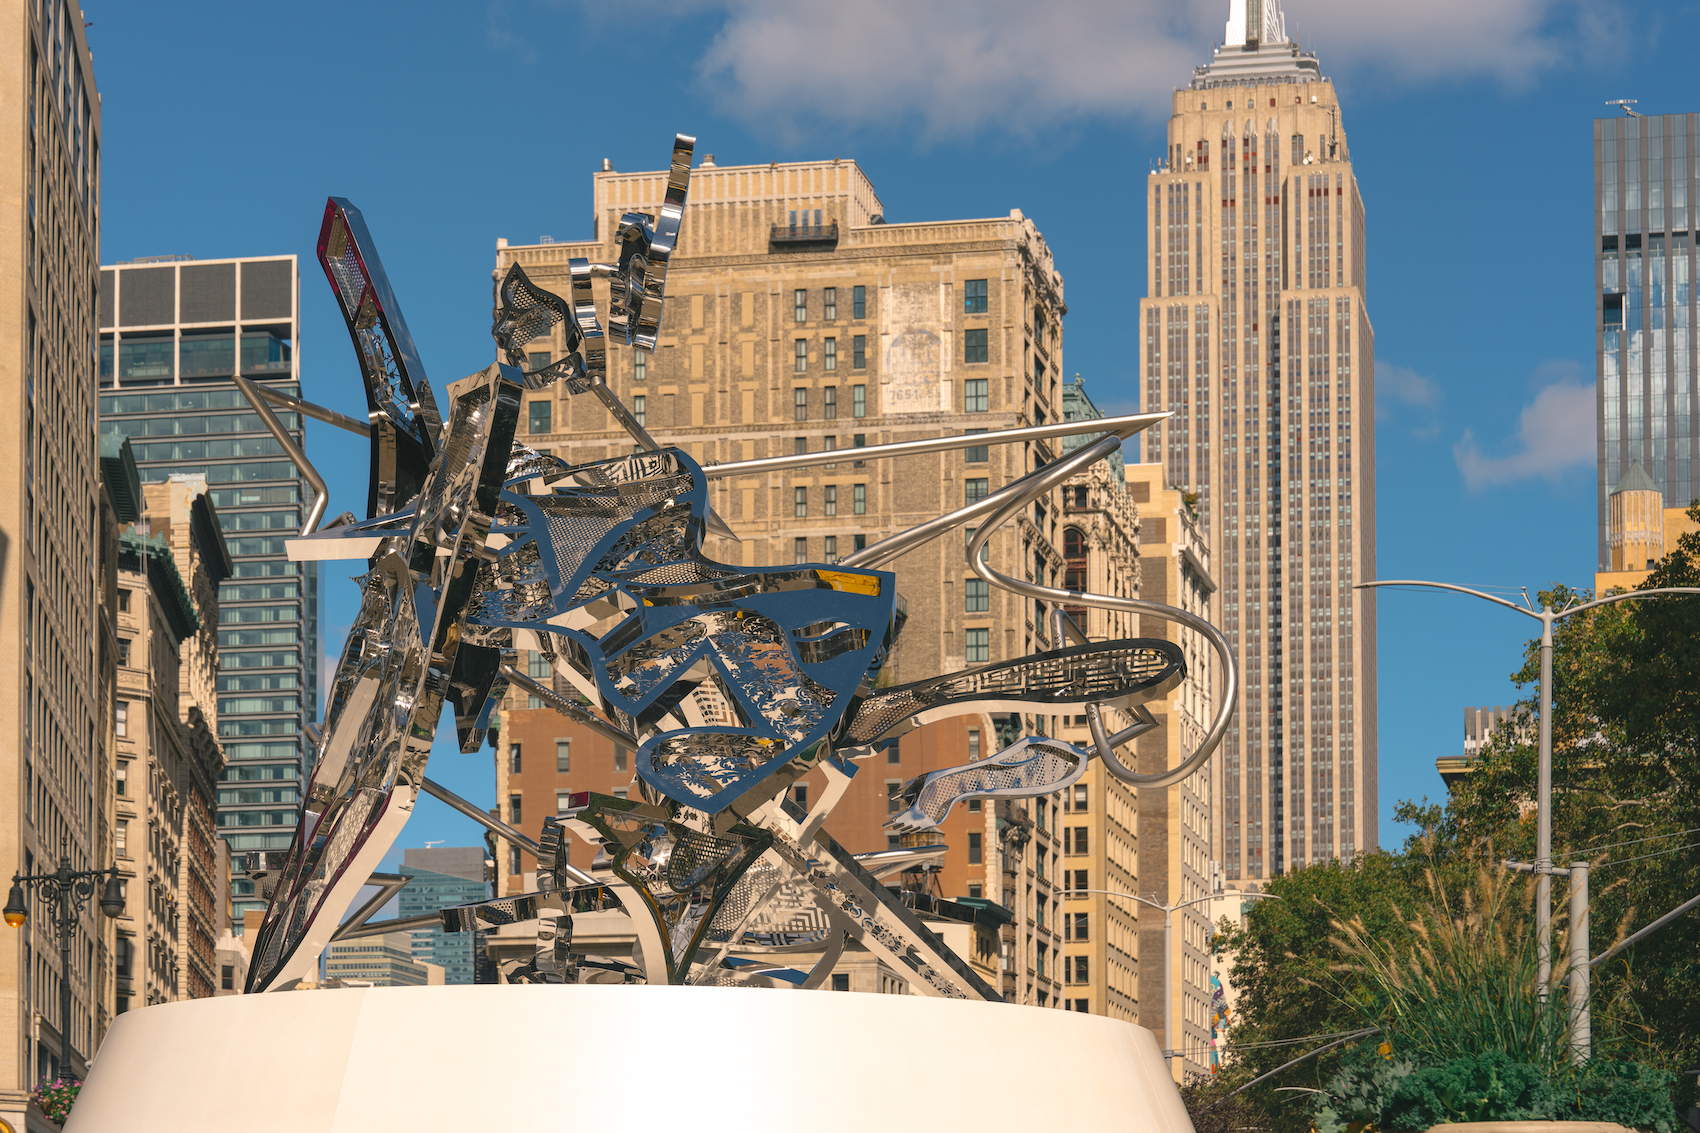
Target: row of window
[
  {"x": 829, "y": 354},
  {"x": 858, "y": 500},
  {"x": 800, "y": 550},
  {"x": 829, "y": 301},
  {"x": 563, "y": 747}
]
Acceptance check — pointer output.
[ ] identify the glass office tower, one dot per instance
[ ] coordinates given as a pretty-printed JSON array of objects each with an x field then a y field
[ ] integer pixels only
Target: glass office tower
[
  {"x": 452, "y": 875},
  {"x": 172, "y": 332},
  {"x": 1644, "y": 185}
]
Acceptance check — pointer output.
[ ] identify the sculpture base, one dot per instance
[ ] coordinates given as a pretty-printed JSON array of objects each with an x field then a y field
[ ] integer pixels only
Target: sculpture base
[{"x": 521, "y": 1058}]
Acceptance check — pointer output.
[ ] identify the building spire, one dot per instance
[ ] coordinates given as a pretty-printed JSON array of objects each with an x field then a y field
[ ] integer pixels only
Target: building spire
[{"x": 1254, "y": 23}]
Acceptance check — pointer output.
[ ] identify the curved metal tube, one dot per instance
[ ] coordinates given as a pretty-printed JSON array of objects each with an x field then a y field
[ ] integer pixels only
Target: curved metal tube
[
  {"x": 1041, "y": 482},
  {"x": 1020, "y": 492},
  {"x": 316, "y": 512},
  {"x": 1123, "y": 427}
]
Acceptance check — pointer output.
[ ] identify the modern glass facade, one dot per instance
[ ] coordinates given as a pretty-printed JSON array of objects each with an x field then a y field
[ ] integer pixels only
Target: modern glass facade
[
  {"x": 171, "y": 335},
  {"x": 443, "y": 877},
  {"x": 1644, "y": 224}
]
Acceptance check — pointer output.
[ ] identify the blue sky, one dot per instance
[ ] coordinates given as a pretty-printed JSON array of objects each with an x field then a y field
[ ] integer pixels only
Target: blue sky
[{"x": 225, "y": 126}]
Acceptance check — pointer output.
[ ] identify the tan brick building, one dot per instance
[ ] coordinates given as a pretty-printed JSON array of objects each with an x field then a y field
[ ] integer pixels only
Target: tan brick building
[{"x": 796, "y": 320}]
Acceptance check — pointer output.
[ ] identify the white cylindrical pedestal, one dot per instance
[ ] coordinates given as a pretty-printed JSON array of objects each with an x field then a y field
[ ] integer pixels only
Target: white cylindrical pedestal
[{"x": 521, "y": 1058}]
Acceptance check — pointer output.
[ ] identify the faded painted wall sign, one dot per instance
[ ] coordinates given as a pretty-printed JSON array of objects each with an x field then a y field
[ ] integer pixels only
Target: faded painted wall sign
[{"x": 917, "y": 357}]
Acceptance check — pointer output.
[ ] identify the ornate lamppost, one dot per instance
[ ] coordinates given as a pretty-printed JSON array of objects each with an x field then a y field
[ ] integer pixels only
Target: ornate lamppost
[{"x": 66, "y": 890}]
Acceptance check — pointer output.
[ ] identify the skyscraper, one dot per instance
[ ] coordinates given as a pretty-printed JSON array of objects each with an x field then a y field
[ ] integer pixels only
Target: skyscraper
[
  {"x": 1644, "y": 169},
  {"x": 54, "y": 707},
  {"x": 172, "y": 332},
  {"x": 1256, "y": 335},
  {"x": 441, "y": 877}
]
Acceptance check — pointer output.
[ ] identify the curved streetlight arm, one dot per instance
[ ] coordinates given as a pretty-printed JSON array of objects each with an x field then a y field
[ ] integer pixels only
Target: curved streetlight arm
[
  {"x": 1624, "y": 597},
  {"x": 1447, "y": 586},
  {"x": 1171, "y": 908},
  {"x": 1240, "y": 893}
]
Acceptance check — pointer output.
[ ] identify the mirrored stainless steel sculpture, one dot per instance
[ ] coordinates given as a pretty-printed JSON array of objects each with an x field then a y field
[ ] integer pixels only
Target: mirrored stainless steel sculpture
[{"x": 730, "y": 682}]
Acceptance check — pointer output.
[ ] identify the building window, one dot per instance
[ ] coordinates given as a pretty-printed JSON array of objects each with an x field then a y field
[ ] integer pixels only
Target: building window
[
  {"x": 973, "y": 745},
  {"x": 975, "y": 489},
  {"x": 859, "y": 440},
  {"x": 841, "y": 980},
  {"x": 621, "y": 756},
  {"x": 974, "y": 345},
  {"x": 800, "y": 304},
  {"x": 124, "y": 652},
  {"x": 800, "y": 502},
  {"x": 1075, "y": 840},
  {"x": 830, "y": 445},
  {"x": 979, "y": 643},
  {"x": 513, "y": 759},
  {"x": 799, "y": 446},
  {"x": 1075, "y": 880},
  {"x": 122, "y": 955},
  {"x": 799, "y": 550},
  {"x": 800, "y": 403},
  {"x": 974, "y": 297},
  {"x": 976, "y": 596},
  {"x": 800, "y": 795},
  {"x": 1079, "y": 802},
  {"x": 122, "y": 783},
  {"x": 858, "y": 542},
  {"x": 829, "y": 304},
  {"x": 640, "y": 366},
  {"x": 859, "y": 352},
  {"x": 1074, "y": 926},
  {"x": 121, "y": 838},
  {"x": 123, "y": 601},
  {"x": 640, "y": 409},
  {"x": 563, "y": 801},
  {"x": 975, "y": 394},
  {"x": 832, "y": 548},
  {"x": 122, "y": 718},
  {"x": 858, "y": 401},
  {"x": 514, "y": 862},
  {"x": 977, "y": 454},
  {"x": 1077, "y": 969},
  {"x": 829, "y": 403},
  {"x": 974, "y": 806},
  {"x": 563, "y": 756},
  {"x": 976, "y": 890},
  {"x": 894, "y": 798},
  {"x": 539, "y": 360},
  {"x": 859, "y": 502},
  {"x": 832, "y": 499},
  {"x": 536, "y": 664},
  {"x": 829, "y": 354},
  {"x": 541, "y": 411},
  {"x": 858, "y": 302},
  {"x": 227, "y": 977},
  {"x": 968, "y": 541},
  {"x": 976, "y": 847},
  {"x": 513, "y": 810}
]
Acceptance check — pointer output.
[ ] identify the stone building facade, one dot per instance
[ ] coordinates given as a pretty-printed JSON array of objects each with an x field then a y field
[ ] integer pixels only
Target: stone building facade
[
  {"x": 55, "y": 775},
  {"x": 167, "y": 754}
]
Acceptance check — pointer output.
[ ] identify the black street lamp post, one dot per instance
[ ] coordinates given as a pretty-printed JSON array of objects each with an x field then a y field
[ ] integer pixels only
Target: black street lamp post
[{"x": 67, "y": 890}]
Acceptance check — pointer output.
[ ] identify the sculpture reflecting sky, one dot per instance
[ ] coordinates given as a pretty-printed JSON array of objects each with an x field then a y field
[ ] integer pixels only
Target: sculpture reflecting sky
[{"x": 730, "y": 682}]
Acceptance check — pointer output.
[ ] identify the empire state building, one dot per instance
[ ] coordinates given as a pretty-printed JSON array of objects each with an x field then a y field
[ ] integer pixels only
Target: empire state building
[{"x": 1256, "y": 335}]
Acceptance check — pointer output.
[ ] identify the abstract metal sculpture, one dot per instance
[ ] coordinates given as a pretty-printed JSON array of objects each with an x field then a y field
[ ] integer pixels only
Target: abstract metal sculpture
[{"x": 730, "y": 682}]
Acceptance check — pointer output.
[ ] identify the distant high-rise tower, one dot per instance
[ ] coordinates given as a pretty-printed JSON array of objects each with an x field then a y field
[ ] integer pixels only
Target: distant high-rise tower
[
  {"x": 1644, "y": 173},
  {"x": 1255, "y": 334},
  {"x": 172, "y": 332}
]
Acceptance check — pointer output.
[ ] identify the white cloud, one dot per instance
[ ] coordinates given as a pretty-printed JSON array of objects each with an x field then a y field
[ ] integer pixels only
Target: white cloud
[
  {"x": 957, "y": 66},
  {"x": 1405, "y": 386},
  {"x": 1555, "y": 434}
]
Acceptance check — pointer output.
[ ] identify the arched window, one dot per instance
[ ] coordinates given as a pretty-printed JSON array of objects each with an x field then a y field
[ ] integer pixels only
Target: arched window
[{"x": 1074, "y": 543}]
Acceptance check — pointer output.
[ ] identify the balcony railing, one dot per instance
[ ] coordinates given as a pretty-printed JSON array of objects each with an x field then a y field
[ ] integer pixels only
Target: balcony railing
[{"x": 792, "y": 235}]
